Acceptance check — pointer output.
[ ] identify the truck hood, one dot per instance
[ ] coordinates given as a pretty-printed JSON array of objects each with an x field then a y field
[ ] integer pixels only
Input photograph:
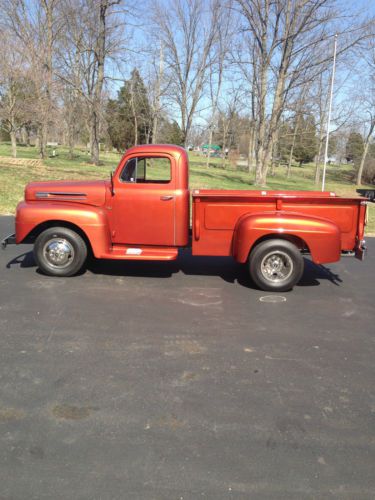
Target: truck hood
[{"x": 87, "y": 192}]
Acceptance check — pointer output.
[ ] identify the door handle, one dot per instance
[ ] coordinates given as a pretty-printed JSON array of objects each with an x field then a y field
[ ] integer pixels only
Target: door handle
[{"x": 166, "y": 198}]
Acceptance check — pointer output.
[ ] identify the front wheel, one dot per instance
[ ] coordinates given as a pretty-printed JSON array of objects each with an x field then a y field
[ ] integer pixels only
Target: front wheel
[
  {"x": 276, "y": 265},
  {"x": 59, "y": 251}
]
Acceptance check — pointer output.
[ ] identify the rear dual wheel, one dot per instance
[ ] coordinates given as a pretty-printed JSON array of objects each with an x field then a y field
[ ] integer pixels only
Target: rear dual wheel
[
  {"x": 59, "y": 251},
  {"x": 276, "y": 265}
]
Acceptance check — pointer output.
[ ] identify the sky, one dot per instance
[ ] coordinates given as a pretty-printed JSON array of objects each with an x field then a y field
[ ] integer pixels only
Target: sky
[{"x": 347, "y": 76}]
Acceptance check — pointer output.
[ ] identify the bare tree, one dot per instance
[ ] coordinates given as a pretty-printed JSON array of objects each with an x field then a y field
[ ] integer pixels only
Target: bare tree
[
  {"x": 343, "y": 110},
  {"x": 216, "y": 75},
  {"x": 229, "y": 125},
  {"x": 92, "y": 36},
  {"x": 188, "y": 31},
  {"x": 320, "y": 101},
  {"x": 73, "y": 114},
  {"x": 368, "y": 137},
  {"x": 289, "y": 40},
  {"x": 298, "y": 106},
  {"x": 157, "y": 95},
  {"x": 36, "y": 26},
  {"x": 244, "y": 58},
  {"x": 15, "y": 88},
  {"x": 157, "y": 85},
  {"x": 367, "y": 98}
]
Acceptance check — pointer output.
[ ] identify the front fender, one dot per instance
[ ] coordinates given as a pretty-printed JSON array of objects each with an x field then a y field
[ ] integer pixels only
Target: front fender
[
  {"x": 91, "y": 220},
  {"x": 322, "y": 236}
]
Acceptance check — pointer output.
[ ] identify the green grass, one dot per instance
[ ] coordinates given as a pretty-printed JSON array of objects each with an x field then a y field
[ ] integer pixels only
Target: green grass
[{"x": 14, "y": 179}]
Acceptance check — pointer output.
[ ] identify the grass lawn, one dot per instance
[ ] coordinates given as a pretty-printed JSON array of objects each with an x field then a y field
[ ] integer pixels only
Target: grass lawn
[{"x": 13, "y": 179}]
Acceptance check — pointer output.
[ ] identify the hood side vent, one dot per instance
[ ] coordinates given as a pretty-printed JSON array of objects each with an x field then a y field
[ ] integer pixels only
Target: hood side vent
[{"x": 60, "y": 194}]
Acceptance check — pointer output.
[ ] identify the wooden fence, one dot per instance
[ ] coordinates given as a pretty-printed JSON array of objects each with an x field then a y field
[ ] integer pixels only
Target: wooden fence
[{"x": 20, "y": 162}]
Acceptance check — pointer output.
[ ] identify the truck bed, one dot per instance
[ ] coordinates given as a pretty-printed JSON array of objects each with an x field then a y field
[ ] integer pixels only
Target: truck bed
[{"x": 216, "y": 213}]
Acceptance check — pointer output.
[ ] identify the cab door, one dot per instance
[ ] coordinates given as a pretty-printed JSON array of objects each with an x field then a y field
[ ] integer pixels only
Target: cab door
[{"x": 144, "y": 202}]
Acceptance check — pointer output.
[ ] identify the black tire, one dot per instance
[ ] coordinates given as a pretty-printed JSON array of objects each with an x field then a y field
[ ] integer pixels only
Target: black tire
[
  {"x": 59, "y": 251},
  {"x": 275, "y": 265}
]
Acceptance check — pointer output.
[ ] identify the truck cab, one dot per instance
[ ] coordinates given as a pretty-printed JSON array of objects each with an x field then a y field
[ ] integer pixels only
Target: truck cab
[{"x": 150, "y": 198}]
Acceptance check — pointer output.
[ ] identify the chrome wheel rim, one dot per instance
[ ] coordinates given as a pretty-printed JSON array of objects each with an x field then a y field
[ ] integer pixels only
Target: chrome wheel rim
[
  {"x": 58, "y": 252},
  {"x": 277, "y": 266}
]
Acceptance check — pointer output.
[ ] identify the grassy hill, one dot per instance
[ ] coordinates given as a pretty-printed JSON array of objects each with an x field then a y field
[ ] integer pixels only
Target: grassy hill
[{"x": 14, "y": 178}]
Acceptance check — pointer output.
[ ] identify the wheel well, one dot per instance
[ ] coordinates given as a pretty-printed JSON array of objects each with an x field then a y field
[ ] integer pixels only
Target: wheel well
[
  {"x": 296, "y": 240},
  {"x": 34, "y": 233}
]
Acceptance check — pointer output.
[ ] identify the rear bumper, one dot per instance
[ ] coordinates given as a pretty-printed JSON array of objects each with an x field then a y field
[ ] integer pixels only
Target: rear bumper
[
  {"x": 9, "y": 240},
  {"x": 361, "y": 250}
]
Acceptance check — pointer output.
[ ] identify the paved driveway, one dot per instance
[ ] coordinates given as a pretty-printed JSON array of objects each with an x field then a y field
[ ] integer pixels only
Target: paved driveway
[{"x": 181, "y": 381}]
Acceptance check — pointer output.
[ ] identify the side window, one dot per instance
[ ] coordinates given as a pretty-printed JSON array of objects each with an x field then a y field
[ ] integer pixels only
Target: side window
[
  {"x": 128, "y": 173},
  {"x": 158, "y": 170},
  {"x": 152, "y": 170},
  {"x": 141, "y": 170}
]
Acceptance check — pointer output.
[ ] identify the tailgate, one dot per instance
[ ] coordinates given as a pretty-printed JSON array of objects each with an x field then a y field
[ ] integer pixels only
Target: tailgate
[{"x": 360, "y": 249}]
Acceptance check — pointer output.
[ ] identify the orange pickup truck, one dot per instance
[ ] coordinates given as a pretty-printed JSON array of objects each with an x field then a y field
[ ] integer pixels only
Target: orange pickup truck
[{"x": 143, "y": 213}]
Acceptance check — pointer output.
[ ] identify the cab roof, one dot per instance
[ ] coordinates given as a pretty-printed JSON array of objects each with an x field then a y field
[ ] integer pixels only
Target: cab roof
[{"x": 171, "y": 149}]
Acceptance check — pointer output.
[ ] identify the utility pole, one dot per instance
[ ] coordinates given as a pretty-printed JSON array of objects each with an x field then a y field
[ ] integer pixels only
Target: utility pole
[{"x": 329, "y": 114}]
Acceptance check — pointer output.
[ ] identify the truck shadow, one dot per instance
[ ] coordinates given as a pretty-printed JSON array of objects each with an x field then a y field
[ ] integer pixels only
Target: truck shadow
[
  {"x": 224, "y": 267},
  {"x": 24, "y": 260},
  {"x": 314, "y": 272}
]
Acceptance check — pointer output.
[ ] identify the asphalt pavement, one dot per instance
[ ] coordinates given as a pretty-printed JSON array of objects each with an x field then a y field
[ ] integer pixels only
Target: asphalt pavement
[{"x": 181, "y": 380}]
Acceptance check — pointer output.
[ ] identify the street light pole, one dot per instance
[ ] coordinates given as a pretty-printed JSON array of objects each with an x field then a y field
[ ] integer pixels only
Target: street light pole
[{"x": 329, "y": 114}]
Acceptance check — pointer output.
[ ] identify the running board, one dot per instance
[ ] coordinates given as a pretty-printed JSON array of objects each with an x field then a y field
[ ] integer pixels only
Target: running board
[{"x": 125, "y": 252}]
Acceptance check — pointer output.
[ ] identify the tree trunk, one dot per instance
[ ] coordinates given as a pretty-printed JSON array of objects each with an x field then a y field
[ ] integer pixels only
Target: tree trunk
[
  {"x": 27, "y": 130},
  {"x": 14, "y": 143},
  {"x": 41, "y": 140},
  {"x": 225, "y": 133},
  {"x": 148, "y": 134},
  {"x": 46, "y": 101},
  {"x": 98, "y": 87},
  {"x": 71, "y": 143},
  {"x": 23, "y": 136},
  {"x": 250, "y": 150},
  {"x": 155, "y": 128},
  {"x": 209, "y": 149},
  {"x": 134, "y": 112},
  {"x": 259, "y": 151},
  {"x": 267, "y": 138},
  {"x": 274, "y": 152},
  {"x": 289, "y": 171},
  {"x": 262, "y": 167},
  {"x": 187, "y": 131},
  {"x": 95, "y": 154},
  {"x": 36, "y": 145},
  {"x": 364, "y": 154},
  {"x": 135, "y": 129},
  {"x": 94, "y": 138},
  {"x": 155, "y": 121}
]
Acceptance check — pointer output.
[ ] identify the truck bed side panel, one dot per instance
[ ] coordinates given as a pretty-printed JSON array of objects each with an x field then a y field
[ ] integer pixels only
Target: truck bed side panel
[{"x": 216, "y": 216}]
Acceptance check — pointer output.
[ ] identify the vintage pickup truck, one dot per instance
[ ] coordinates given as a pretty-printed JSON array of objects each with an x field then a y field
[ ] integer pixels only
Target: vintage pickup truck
[{"x": 143, "y": 212}]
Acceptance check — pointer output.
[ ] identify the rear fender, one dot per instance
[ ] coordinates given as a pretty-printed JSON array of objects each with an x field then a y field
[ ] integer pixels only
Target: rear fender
[
  {"x": 92, "y": 221},
  {"x": 321, "y": 236}
]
